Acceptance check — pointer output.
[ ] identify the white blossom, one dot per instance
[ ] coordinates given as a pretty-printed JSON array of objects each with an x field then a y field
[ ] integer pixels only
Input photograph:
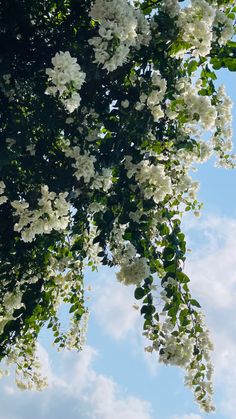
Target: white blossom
[
  {"x": 133, "y": 272},
  {"x": 52, "y": 213},
  {"x": 3, "y": 198},
  {"x": 222, "y": 139},
  {"x": 225, "y": 25},
  {"x": 171, "y": 7},
  {"x": 66, "y": 79},
  {"x": 153, "y": 181},
  {"x": 84, "y": 163},
  {"x": 195, "y": 23},
  {"x": 121, "y": 25}
]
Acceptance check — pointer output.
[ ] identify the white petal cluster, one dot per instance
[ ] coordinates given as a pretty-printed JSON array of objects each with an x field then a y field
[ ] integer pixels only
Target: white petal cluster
[
  {"x": 171, "y": 7},
  {"x": 176, "y": 347},
  {"x": 92, "y": 249},
  {"x": 225, "y": 25},
  {"x": 125, "y": 104},
  {"x": 133, "y": 272},
  {"x": 27, "y": 378},
  {"x": 3, "y": 198},
  {"x": 198, "y": 108},
  {"x": 84, "y": 163},
  {"x": 154, "y": 98},
  {"x": 222, "y": 139},
  {"x": 95, "y": 207},
  {"x": 121, "y": 250},
  {"x": 121, "y": 27},
  {"x": 77, "y": 332},
  {"x": 187, "y": 185},
  {"x": 133, "y": 268},
  {"x": 195, "y": 23},
  {"x": 153, "y": 181},
  {"x": 66, "y": 79},
  {"x": 202, "y": 387},
  {"x": 13, "y": 301},
  {"x": 201, "y": 153},
  {"x": 52, "y": 213},
  {"x": 6, "y": 86},
  {"x": 103, "y": 181},
  {"x": 177, "y": 351}
]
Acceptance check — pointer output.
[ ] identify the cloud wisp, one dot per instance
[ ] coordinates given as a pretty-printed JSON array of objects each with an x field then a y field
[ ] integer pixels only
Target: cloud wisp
[{"x": 79, "y": 393}]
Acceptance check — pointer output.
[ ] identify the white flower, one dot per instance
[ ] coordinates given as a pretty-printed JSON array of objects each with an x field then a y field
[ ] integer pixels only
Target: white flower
[
  {"x": 171, "y": 7},
  {"x": 84, "y": 163},
  {"x": 66, "y": 79},
  {"x": 225, "y": 26},
  {"x": 157, "y": 113},
  {"x": 120, "y": 22},
  {"x": 73, "y": 102},
  {"x": 153, "y": 181},
  {"x": 3, "y": 198},
  {"x": 133, "y": 272},
  {"x": 125, "y": 104},
  {"x": 195, "y": 23},
  {"x": 199, "y": 109},
  {"x": 155, "y": 97},
  {"x": 34, "y": 222}
]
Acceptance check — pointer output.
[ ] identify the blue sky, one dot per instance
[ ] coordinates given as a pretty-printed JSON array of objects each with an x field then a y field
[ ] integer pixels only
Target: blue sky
[{"x": 113, "y": 378}]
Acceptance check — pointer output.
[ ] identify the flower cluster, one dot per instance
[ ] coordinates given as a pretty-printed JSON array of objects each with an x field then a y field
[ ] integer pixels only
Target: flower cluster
[
  {"x": 179, "y": 347},
  {"x": 198, "y": 108},
  {"x": 195, "y": 24},
  {"x": 84, "y": 163},
  {"x": 133, "y": 271},
  {"x": 155, "y": 97},
  {"x": 121, "y": 27},
  {"x": 66, "y": 79},
  {"x": 225, "y": 25},
  {"x": 222, "y": 139},
  {"x": 3, "y": 198},
  {"x": 151, "y": 178},
  {"x": 171, "y": 7},
  {"x": 52, "y": 213}
]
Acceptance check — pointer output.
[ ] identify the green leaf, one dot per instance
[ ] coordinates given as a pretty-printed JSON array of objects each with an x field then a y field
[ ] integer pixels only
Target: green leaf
[
  {"x": 139, "y": 293},
  {"x": 231, "y": 44},
  {"x": 73, "y": 308},
  {"x": 192, "y": 66},
  {"x": 169, "y": 266},
  {"x": 183, "y": 317},
  {"x": 216, "y": 63},
  {"x": 148, "y": 309},
  {"x": 183, "y": 278},
  {"x": 168, "y": 253},
  {"x": 230, "y": 63},
  {"x": 195, "y": 303}
]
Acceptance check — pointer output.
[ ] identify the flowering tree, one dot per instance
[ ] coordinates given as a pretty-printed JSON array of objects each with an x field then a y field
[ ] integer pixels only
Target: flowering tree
[{"x": 106, "y": 106}]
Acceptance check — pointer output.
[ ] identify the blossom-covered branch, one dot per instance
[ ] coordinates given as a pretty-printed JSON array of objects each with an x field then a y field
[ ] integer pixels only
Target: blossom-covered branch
[{"x": 106, "y": 108}]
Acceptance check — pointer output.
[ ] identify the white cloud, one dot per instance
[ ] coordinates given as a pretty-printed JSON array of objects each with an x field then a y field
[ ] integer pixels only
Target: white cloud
[
  {"x": 46, "y": 368},
  {"x": 112, "y": 306},
  {"x": 212, "y": 267},
  {"x": 9, "y": 389},
  {"x": 79, "y": 393},
  {"x": 113, "y": 309},
  {"x": 212, "y": 270},
  {"x": 188, "y": 416},
  {"x": 101, "y": 393},
  {"x": 225, "y": 370}
]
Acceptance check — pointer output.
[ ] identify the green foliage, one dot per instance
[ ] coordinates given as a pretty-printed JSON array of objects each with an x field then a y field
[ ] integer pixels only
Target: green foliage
[{"x": 94, "y": 162}]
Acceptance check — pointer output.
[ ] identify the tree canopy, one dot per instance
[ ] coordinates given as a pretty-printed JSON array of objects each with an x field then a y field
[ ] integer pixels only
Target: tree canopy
[{"x": 106, "y": 107}]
